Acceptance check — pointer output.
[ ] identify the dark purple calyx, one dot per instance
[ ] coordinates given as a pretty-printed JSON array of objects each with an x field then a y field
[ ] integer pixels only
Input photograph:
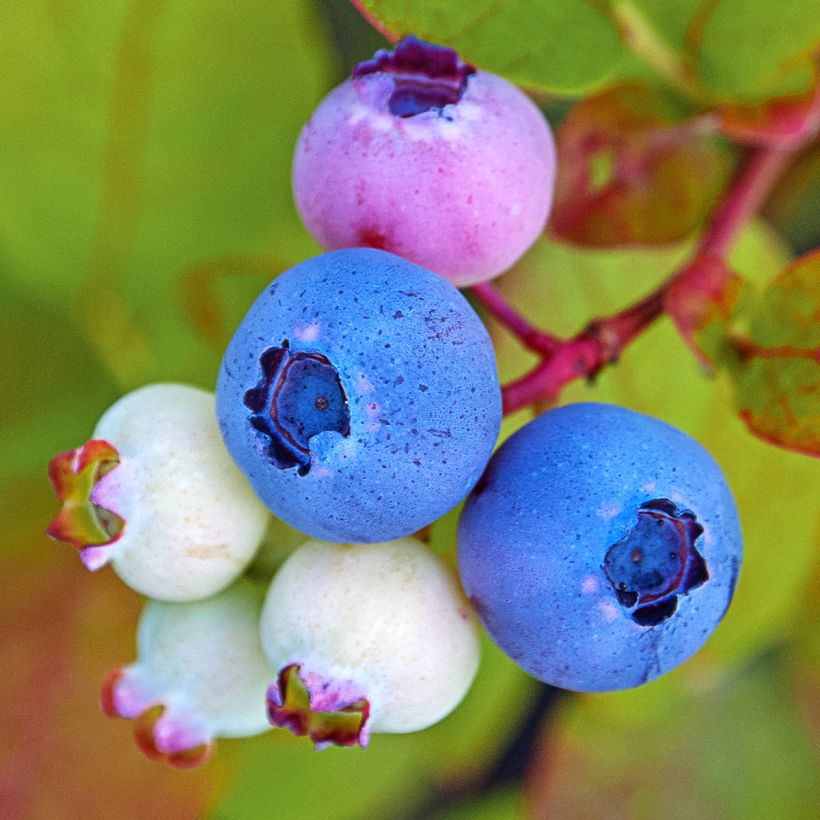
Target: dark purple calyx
[
  {"x": 426, "y": 77},
  {"x": 299, "y": 396},
  {"x": 656, "y": 561}
]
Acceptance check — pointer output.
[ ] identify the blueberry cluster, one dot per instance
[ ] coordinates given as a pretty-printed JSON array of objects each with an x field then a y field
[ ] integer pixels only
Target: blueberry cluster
[{"x": 359, "y": 401}]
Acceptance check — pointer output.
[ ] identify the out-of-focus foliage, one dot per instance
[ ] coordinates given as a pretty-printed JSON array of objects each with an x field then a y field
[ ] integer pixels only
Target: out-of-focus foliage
[
  {"x": 145, "y": 201},
  {"x": 731, "y": 50},
  {"x": 635, "y": 168},
  {"x": 778, "y": 367},
  {"x": 727, "y": 747},
  {"x": 561, "y": 287},
  {"x": 567, "y": 47}
]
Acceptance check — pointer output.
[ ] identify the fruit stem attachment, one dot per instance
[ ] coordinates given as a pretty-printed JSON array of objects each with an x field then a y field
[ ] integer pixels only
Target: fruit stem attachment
[
  {"x": 603, "y": 340},
  {"x": 533, "y": 338}
]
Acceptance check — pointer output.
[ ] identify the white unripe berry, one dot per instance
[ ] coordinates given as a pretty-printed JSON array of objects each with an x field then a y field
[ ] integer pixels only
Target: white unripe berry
[
  {"x": 203, "y": 664},
  {"x": 161, "y": 498},
  {"x": 385, "y": 623}
]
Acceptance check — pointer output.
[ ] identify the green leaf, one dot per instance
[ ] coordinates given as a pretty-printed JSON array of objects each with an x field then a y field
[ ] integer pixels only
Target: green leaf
[
  {"x": 701, "y": 302},
  {"x": 633, "y": 169},
  {"x": 714, "y": 51},
  {"x": 777, "y": 373},
  {"x": 153, "y": 141},
  {"x": 795, "y": 202},
  {"x": 671, "y": 22},
  {"x": 566, "y": 48},
  {"x": 753, "y": 50},
  {"x": 784, "y": 122}
]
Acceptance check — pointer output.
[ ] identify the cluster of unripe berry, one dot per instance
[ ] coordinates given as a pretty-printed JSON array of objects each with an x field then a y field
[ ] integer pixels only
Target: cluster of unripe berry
[{"x": 359, "y": 402}]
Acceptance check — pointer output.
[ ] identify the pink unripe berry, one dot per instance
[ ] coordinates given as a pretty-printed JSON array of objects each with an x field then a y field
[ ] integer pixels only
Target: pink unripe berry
[{"x": 420, "y": 154}]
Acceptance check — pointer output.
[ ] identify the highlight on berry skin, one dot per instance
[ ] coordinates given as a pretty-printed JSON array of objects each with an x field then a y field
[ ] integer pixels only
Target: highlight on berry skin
[
  {"x": 366, "y": 638},
  {"x": 155, "y": 494},
  {"x": 200, "y": 675},
  {"x": 422, "y": 154}
]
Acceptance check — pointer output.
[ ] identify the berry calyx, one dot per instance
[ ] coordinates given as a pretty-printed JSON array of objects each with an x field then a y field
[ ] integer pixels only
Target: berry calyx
[
  {"x": 367, "y": 638},
  {"x": 327, "y": 714},
  {"x": 426, "y": 77},
  {"x": 173, "y": 740},
  {"x": 300, "y": 395},
  {"x": 656, "y": 561},
  {"x": 81, "y": 522},
  {"x": 156, "y": 494}
]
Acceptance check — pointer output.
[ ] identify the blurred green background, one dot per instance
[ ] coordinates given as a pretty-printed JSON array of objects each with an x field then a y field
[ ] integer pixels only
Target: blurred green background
[{"x": 144, "y": 202}]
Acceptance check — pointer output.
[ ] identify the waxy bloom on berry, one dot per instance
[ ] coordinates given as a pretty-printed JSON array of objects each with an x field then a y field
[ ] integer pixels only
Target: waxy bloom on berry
[
  {"x": 360, "y": 396},
  {"x": 601, "y": 548}
]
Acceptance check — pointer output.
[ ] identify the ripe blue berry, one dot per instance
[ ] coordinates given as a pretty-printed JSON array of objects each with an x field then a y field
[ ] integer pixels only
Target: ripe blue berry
[
  {"x": 360, "y": 396},
  {"x": 422, "y": 155},
  {"x": 601, "y": 547}
]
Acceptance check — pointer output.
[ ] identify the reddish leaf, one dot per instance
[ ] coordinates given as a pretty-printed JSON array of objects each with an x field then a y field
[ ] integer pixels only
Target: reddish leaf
[
  {"x": 777, "y": 375},
  {"x": 787, "y": 122},
  {"x": 700, "y": 302},
  {"x": 633, "y": 171}
]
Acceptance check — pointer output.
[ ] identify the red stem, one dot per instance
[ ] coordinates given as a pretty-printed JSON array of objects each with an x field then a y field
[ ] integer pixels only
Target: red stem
[
  {"x": 528, "y": 334},
  {"x": 743, "y": 200},
  {"x": 603, "y": 340}
]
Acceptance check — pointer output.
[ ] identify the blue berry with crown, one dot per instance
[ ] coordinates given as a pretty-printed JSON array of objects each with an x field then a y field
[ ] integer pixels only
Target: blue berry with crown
[
  {"x": 601, "y": 548},
  {"x": 360, "y": 396}
]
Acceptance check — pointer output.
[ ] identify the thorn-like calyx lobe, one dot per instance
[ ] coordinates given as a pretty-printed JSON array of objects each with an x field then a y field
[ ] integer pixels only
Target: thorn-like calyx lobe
[
  {"x": 299, "y": 396},
  {"x": 156, "y": 733},
  {"x": 81, "y": 522},
  {"x": 324, "y": 711},
  {"x": 656, "y": 561},
  {"x": 426, "y": 77}
]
